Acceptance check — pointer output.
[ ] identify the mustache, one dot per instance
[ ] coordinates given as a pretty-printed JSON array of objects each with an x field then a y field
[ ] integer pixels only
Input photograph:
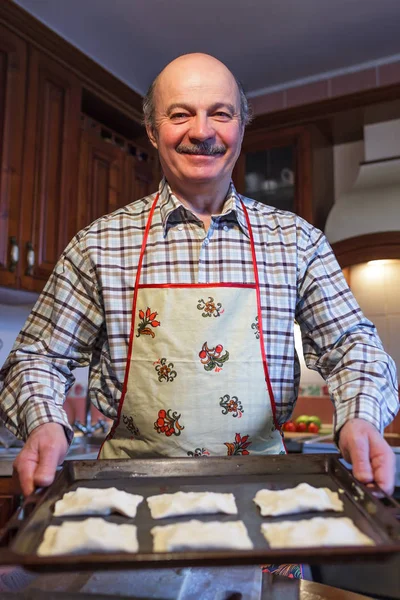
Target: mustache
[{"x": 204, "y": 148}]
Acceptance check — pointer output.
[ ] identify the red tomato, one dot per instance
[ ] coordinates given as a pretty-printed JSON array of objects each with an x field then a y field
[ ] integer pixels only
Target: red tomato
[
  {"x": 313, "y": 428},
  {"x": 301, "y": 427},
  {"x": 289, "y": 426}
]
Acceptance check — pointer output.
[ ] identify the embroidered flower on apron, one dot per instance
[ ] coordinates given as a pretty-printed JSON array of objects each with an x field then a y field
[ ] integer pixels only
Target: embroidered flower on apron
[
  {"x": 212, "y": 358},
  {"x": 210, "y": 308},
  {"x": 164, "y": 370},
  {"x": 129, "y": 424},
  {"x": 239, "y": 446},
  {"x": 148, "y": 318},
  {"x": 168, "y": 423},
  {"x": 256, "y": 327},
  {"x": 231, "y": 406},
  {"x": 199, "y": 452}
]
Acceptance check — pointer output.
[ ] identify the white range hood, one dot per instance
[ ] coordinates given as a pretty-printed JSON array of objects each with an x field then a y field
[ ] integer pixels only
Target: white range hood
[{"x": 373, "y": 204}]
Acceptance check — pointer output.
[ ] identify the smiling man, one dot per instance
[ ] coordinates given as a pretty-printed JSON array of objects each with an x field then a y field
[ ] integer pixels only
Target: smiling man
[
  {"x": 196, "y": 119},
  {"x": 183, "y": 304}
]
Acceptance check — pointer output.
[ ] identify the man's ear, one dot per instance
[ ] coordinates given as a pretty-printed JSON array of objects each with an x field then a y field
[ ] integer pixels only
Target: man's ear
[
  {"x": 242, "y": 134},
  {"x": 152, "y": 135}
]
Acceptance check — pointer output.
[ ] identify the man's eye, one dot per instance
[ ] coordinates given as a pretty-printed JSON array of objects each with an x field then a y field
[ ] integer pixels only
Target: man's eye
[
  {"x": 223, "y": 115},
  {"x": 179, "y": 115}
]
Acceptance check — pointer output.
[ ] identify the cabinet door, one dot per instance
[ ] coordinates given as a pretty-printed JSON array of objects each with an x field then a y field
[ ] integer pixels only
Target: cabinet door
[
  {"x": 10, "y": 494},
  {"x": 140, "y": 175},
  {"x": 100, "y": 178},
  {"x": 50, "y": 166},
  {"x": 275, "y": 168},
  {"x": 13, "y": 53}
]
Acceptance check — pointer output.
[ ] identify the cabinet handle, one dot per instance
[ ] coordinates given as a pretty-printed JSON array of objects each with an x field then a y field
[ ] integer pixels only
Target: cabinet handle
[
  {"x": 30, "y": 258},
  {"x": 14, "y": 254}
]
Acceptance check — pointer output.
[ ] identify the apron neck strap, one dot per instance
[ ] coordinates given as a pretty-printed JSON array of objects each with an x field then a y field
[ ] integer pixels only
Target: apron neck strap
[
  {"x": 253, "y": 251},
  {"x": 144, "y": 241}
]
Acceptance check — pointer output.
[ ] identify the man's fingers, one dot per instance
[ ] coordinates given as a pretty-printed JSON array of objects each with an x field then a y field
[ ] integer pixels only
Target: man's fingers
[
  {"x": 358, "y": 451},
  {"x": 25, "y": 466},
  {"x": 371, "y": 456},
  {"x": 37, "y": 462},
  {"x": 383, "y": 463},
  {"x": 49, "y": 459},
  {"x": 45, "y": 473}
]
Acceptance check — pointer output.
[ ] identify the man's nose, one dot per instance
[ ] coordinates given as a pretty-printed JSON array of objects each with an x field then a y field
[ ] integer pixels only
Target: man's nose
[{"x": 201, "y": 128}]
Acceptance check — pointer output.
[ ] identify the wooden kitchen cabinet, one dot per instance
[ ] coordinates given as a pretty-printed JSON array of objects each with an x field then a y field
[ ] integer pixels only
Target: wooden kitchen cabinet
[
  {"x": 141, "y": 174},
  {"x": 10, "y": 497},
  {"x": 101, "y": 166},
  {"x": 290, "y": 169},
  {"x": 60, "y": 169},
  {"x": 13, "y": 66},
  {"x": 56, "y": 177},
  {"x": 39, "y": 127},
  {"x": 113, "y": 171},
  {"x": 50, "y": 166}
]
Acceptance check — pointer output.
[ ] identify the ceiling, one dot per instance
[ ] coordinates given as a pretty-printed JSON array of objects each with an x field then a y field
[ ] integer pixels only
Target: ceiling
[{"x": 268, "y": 44}]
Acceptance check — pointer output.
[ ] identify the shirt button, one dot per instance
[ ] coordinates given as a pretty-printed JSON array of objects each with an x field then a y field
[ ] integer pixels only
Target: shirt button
[
  {"x": 226, "y": 228},
  {"x": 180, "y": 228}
]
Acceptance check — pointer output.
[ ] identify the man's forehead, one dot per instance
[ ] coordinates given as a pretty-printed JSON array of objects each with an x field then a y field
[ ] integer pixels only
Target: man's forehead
[{"x": 198, "y": 89}]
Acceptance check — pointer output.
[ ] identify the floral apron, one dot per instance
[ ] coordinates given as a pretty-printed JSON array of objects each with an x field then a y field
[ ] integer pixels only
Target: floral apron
[{"x": 196, "y": 381}]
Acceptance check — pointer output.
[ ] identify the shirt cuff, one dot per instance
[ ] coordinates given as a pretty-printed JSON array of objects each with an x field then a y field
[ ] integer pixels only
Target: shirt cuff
[{"x": 46, "y": 412}]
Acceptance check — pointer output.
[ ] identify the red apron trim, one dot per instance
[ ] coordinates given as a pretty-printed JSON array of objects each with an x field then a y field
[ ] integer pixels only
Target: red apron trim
[
  {"x": 260, "y": 323},
  {"x": 135, "y": 292},
  {"x": 196, "y": 285}
]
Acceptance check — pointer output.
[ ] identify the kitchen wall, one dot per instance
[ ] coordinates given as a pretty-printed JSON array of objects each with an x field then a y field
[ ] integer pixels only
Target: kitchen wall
[
  {"x": 331, "y": 85},
  {"x": 12, "y": 319},
  {"x": 375, "y": 285}
]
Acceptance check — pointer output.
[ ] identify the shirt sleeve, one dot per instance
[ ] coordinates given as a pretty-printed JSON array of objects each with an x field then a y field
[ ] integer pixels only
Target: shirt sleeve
[
  {"x": 341, "y": 343},
  {"x": 57, "y": 337}
]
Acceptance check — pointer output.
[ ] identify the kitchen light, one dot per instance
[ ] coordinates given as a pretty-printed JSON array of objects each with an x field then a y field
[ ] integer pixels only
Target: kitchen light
[{"x": 382, "y": 261}]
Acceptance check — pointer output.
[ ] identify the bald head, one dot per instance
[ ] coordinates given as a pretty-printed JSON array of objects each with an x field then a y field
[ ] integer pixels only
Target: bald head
[{"x": 193, "y": 68}]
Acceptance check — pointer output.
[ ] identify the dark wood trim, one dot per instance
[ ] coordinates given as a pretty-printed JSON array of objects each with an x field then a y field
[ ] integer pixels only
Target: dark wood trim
[
  {"x": 323, "y": 109},
  {"x": 91, "y": 74},
  {"x": 257, "y": 139},
  {"x": 372, "y": 246}
]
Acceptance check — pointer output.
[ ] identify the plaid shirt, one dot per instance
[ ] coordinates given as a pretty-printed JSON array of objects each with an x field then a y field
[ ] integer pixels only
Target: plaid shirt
[{"x": 83, "y": 315}]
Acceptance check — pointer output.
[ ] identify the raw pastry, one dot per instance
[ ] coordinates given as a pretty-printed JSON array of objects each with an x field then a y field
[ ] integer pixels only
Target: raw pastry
[
  {"x": 95, "y": 501},
  {"x": 191, "y": 503},
  {"x": 319, "y": 531},
  {"x": 90, "y": 535},
  {"x": 197, "y": 535},
  {"x": 302, "y": 498}
]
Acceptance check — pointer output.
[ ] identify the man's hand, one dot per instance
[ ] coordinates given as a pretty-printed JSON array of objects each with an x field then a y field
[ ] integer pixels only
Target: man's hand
[
  {"x": 362, "y": 445},
  {"x": 37, "y": 462}
]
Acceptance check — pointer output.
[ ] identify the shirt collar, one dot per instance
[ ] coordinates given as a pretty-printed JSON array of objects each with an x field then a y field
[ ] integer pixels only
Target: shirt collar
[{"x": 172, "y": 210}]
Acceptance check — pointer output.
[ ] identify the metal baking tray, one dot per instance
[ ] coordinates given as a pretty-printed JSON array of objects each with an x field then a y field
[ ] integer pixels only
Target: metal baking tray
[{"x": 243, "y": 476}]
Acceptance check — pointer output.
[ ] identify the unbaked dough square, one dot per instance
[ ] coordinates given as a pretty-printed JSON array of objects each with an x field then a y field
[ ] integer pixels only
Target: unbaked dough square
[
  {"x": 90, "y": 535},
  {"x": 302, "y": 498},
  {"x": 319, "y": 531},
  {"x": 97, "y": 501},
  {"x": 197, "y": 535},
  {"x": 191, "y": 503}
]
